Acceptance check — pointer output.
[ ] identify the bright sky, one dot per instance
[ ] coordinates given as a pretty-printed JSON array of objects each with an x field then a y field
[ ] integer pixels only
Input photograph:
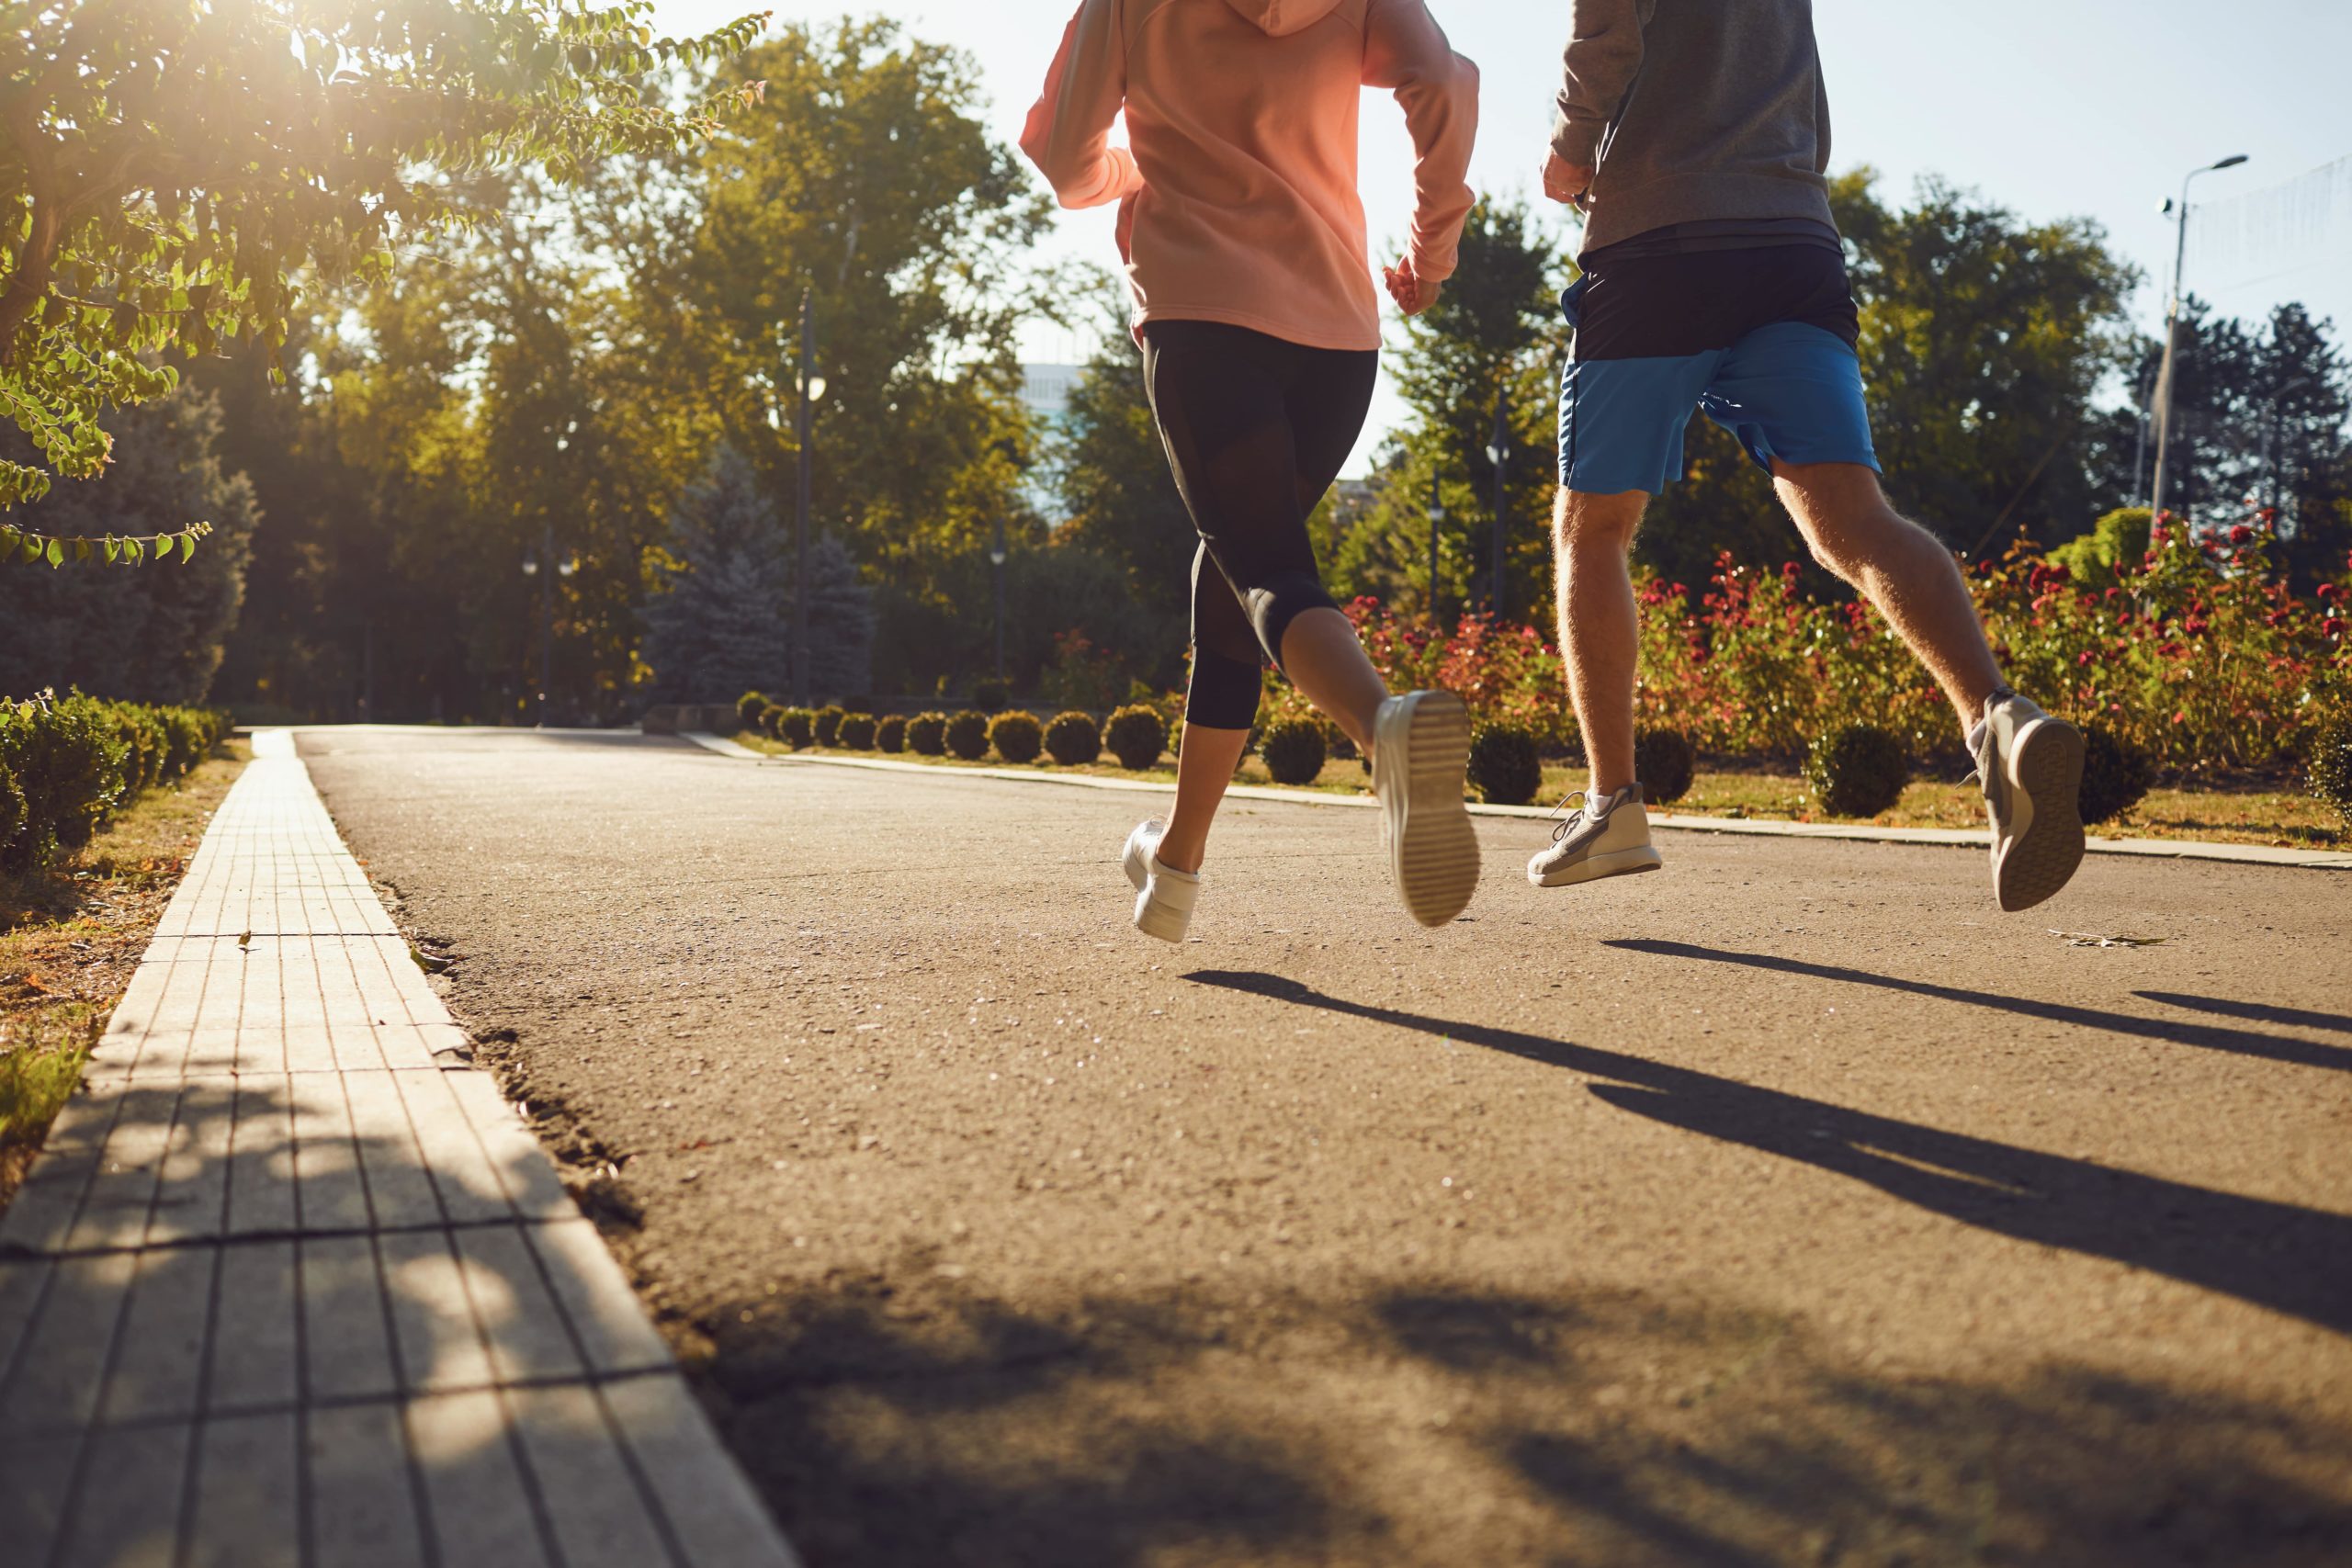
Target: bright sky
[{"x": 2052, "y": 108}]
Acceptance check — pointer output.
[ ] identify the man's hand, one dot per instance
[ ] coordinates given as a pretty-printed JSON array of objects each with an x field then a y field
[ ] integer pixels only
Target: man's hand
[
  {"x": 1564, "y": 182},
  {"x": 1412, "y": 292}
]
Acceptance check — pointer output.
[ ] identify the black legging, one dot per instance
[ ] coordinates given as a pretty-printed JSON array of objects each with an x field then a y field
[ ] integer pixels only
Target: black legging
[{"x": 1256, "y": 430}]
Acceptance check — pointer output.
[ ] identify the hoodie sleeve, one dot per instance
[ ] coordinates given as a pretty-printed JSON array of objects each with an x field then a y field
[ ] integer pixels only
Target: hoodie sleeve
[
  {"x": 1604, "y": 51},
  {"x": 1068, "y": 134},
  {"x": 1406, "y": 53}
]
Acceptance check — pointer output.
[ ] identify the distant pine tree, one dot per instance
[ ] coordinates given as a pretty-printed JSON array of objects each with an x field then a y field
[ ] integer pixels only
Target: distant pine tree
[
  {"x": 841, "y": 624},
  {"x": 151, "y": 633},
  {"x": 719, "y": 629}
]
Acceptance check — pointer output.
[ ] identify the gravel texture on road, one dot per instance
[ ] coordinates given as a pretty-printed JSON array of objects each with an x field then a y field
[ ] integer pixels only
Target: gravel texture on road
[{"x": 1791, "y": 1207}]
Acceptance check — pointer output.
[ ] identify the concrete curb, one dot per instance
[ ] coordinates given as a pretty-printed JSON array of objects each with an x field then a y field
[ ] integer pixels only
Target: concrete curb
[{"x": 2160, "y": 849}]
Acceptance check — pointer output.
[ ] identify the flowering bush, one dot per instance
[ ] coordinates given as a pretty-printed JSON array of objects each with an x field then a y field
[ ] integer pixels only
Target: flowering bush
[{"x": 2199, "y": 655}]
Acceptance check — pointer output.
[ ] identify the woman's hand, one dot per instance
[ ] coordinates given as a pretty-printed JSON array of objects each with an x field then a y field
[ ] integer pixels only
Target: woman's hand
[{"x": 1412, "y": 292}]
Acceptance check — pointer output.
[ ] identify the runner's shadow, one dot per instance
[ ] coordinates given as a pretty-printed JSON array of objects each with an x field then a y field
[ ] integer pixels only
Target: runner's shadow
[
  {"x": 2279, "y": 1255},
  {"x": 2209, "y": 1036},
  {"x": 2294, "y": 1018}
]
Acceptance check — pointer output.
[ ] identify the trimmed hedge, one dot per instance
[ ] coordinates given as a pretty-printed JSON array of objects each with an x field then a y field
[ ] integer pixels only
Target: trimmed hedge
[
  {"x": 1858, "y": 770},
  {"x": 967, "y": 735},
  {"x": 927, "y": 735},
  {"x": 67, "y": 763},
  {"x": 890, "y": 734},
  {"x": 855, "y": 732},
  {"x": 1294, "y": 750},
  {"x": 1074, "y": 739},
  {"x": 1506, "y": 764},
  {"x": 827, "y": 724},
  {"x": 1664, "y": 763},
  {"x": 1017, "y": 736},
  {"x": 2115, "y": 774},
  {"x": 797, "y": 727},
  {"x": 1136, "y": 734},
  {"x": 2331, "y": 763},
  {"x": 749, "y": 706}
]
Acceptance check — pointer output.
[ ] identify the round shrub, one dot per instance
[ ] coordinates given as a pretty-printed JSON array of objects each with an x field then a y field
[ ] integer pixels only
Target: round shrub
[
  {"x": 990, "y": 696},
  {"x": 890, "y": 734},
  {"x": 68, "y": 760},
  {"x": 2115, "y": 774},
  {"x": 772, "y": 720},
  {"x": 797, "y": 727},
  {"x": 967, "y": 735},
  {"x": 855, "y": 732},
  {"x": 1136, "y": 734},
  {"x": 2331, "y": 763},
  {"x": 1073, "y": 739},
  {"x": 827, "y": 724},
  {"x": 1294, "y": 750},
  {"x": 1664, "y": 763},
  {"x": 1017, "y": 736},
  {"x": 1506, "y": 764},
  {"x": 1858, "y": 770},
  {"x": 927, "y": 735},
  {"x": 749, "y": 706}
]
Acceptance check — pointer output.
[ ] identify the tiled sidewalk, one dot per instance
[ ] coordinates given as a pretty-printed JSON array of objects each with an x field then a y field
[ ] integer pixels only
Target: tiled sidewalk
[{"x": 290, "y": 1285}]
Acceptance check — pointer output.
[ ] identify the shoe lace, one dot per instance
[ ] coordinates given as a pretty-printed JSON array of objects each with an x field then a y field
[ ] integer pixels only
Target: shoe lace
[{"x": 1568, "y": 823}]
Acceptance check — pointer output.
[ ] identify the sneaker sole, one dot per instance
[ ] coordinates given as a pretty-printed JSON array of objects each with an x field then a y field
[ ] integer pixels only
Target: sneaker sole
[
  {"x": 2047, "y": 771},
  {"x": 1433, "y": 849},
  {"x": 1623, "y": 863},
  {"x": 1164, "y": 922}
]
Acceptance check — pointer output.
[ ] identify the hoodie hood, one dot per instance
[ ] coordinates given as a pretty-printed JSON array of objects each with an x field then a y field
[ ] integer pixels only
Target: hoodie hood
[{"x": 1280, "y": 19}]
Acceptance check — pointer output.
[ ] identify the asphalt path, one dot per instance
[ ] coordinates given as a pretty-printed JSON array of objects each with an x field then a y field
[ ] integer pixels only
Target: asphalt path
[{"x": 1793, "y": 1206}]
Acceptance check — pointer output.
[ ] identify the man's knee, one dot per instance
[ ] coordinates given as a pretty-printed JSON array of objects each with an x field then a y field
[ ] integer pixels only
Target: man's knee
[
  {"x": 1596, "y": 522},
  {"x": 1840, "y": 509}
]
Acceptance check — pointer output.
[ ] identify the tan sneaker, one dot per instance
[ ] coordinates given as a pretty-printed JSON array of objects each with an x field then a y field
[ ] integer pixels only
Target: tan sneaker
[
  {"x": 2032, "y": 768},
  {"x": 1609, "y": 839},
  {"x": 1421, "y": 751}
]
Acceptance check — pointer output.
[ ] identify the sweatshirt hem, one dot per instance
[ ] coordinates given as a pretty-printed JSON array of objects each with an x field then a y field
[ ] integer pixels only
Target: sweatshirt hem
[
  {"x": 1287, "y": 331},
  {"x": 1619, "y": 215}
]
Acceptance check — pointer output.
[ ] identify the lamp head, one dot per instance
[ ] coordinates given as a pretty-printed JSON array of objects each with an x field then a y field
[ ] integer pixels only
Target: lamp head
[
  {"x": 2232, "y": 162},
  {"x": 815, "y": 388}
]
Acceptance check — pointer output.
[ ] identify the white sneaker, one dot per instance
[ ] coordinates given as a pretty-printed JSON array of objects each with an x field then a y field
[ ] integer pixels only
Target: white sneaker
[
  {"x": 1421, "y": 751},
  {"x": 2032, "y": 769},
  {"x": 1612, "y": 838},
  {"x": 1164, "y": 897}
]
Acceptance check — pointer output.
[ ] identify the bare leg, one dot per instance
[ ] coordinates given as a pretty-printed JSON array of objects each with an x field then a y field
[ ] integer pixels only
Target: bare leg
[
  {"x": 1899, "y": 566},
  {"x": 1599, "y": 633},
  {"x": 1205, "y": 765},
  {"x": 1323, "y": 659}
]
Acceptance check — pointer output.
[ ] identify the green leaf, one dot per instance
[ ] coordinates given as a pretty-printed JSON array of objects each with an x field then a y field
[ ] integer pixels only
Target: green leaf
[
  {"x": 188, "y": 546},
  {"x": 56, "y": 553}
]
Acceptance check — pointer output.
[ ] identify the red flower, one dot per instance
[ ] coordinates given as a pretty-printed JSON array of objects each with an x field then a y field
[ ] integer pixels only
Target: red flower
[
  {"x": 2240, "y": 535},
  {"x": 2083, "y": 657},
  {"x": 2194, "y": 626}
]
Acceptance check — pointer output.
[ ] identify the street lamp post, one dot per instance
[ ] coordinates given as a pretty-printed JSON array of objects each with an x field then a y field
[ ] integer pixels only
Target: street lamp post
[
  {"x": 2164, "y": 378},
  {"x": 1437, "y": 521},
  {"x": 997, "y": 556},
  {"x": 800, "y": 684},
  {"x": 1499, "y": 454}
]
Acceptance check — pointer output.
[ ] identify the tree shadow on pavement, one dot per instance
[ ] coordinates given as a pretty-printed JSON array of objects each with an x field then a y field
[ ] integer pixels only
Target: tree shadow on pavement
[
  {"x": 2209, "y": 1036},
  {"x": 1412, "y": 1421},
  {"x": 2281, "y": 1256}
]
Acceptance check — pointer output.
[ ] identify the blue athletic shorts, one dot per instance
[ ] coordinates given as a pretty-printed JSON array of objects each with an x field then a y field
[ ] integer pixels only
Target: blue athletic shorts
[{"x": 1760, "y": 341}]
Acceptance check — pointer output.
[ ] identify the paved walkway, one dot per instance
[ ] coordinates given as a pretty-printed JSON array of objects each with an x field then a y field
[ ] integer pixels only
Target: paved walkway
[
  {"x": 291, "y": 1284},
  {"x": 1790, "y": 1207}
]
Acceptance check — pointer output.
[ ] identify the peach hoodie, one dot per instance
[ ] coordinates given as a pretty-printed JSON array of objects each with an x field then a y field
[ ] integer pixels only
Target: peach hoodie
[{"x": 1239, "y": 201}]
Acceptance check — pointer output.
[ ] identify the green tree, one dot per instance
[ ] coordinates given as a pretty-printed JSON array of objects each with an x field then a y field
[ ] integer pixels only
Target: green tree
[
  {"x": 718, "y": 628},
  {"x": 1495, "y": 332},
  {"x": 154, "y": 634},
  {"x": 1985, "y": 341},
  {"x": 168, "y": 170}
]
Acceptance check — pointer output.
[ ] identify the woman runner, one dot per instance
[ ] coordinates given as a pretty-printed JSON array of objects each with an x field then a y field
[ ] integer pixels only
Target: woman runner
[{"x": 1243, "y": 237}]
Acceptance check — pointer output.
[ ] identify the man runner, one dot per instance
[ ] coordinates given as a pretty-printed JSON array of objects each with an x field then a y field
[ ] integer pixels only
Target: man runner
[{"x": 1694, "y": 135}]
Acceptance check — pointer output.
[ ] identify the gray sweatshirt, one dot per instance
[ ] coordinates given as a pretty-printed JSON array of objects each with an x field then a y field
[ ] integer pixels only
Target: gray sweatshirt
[{"x": 1695, "y": 111}]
